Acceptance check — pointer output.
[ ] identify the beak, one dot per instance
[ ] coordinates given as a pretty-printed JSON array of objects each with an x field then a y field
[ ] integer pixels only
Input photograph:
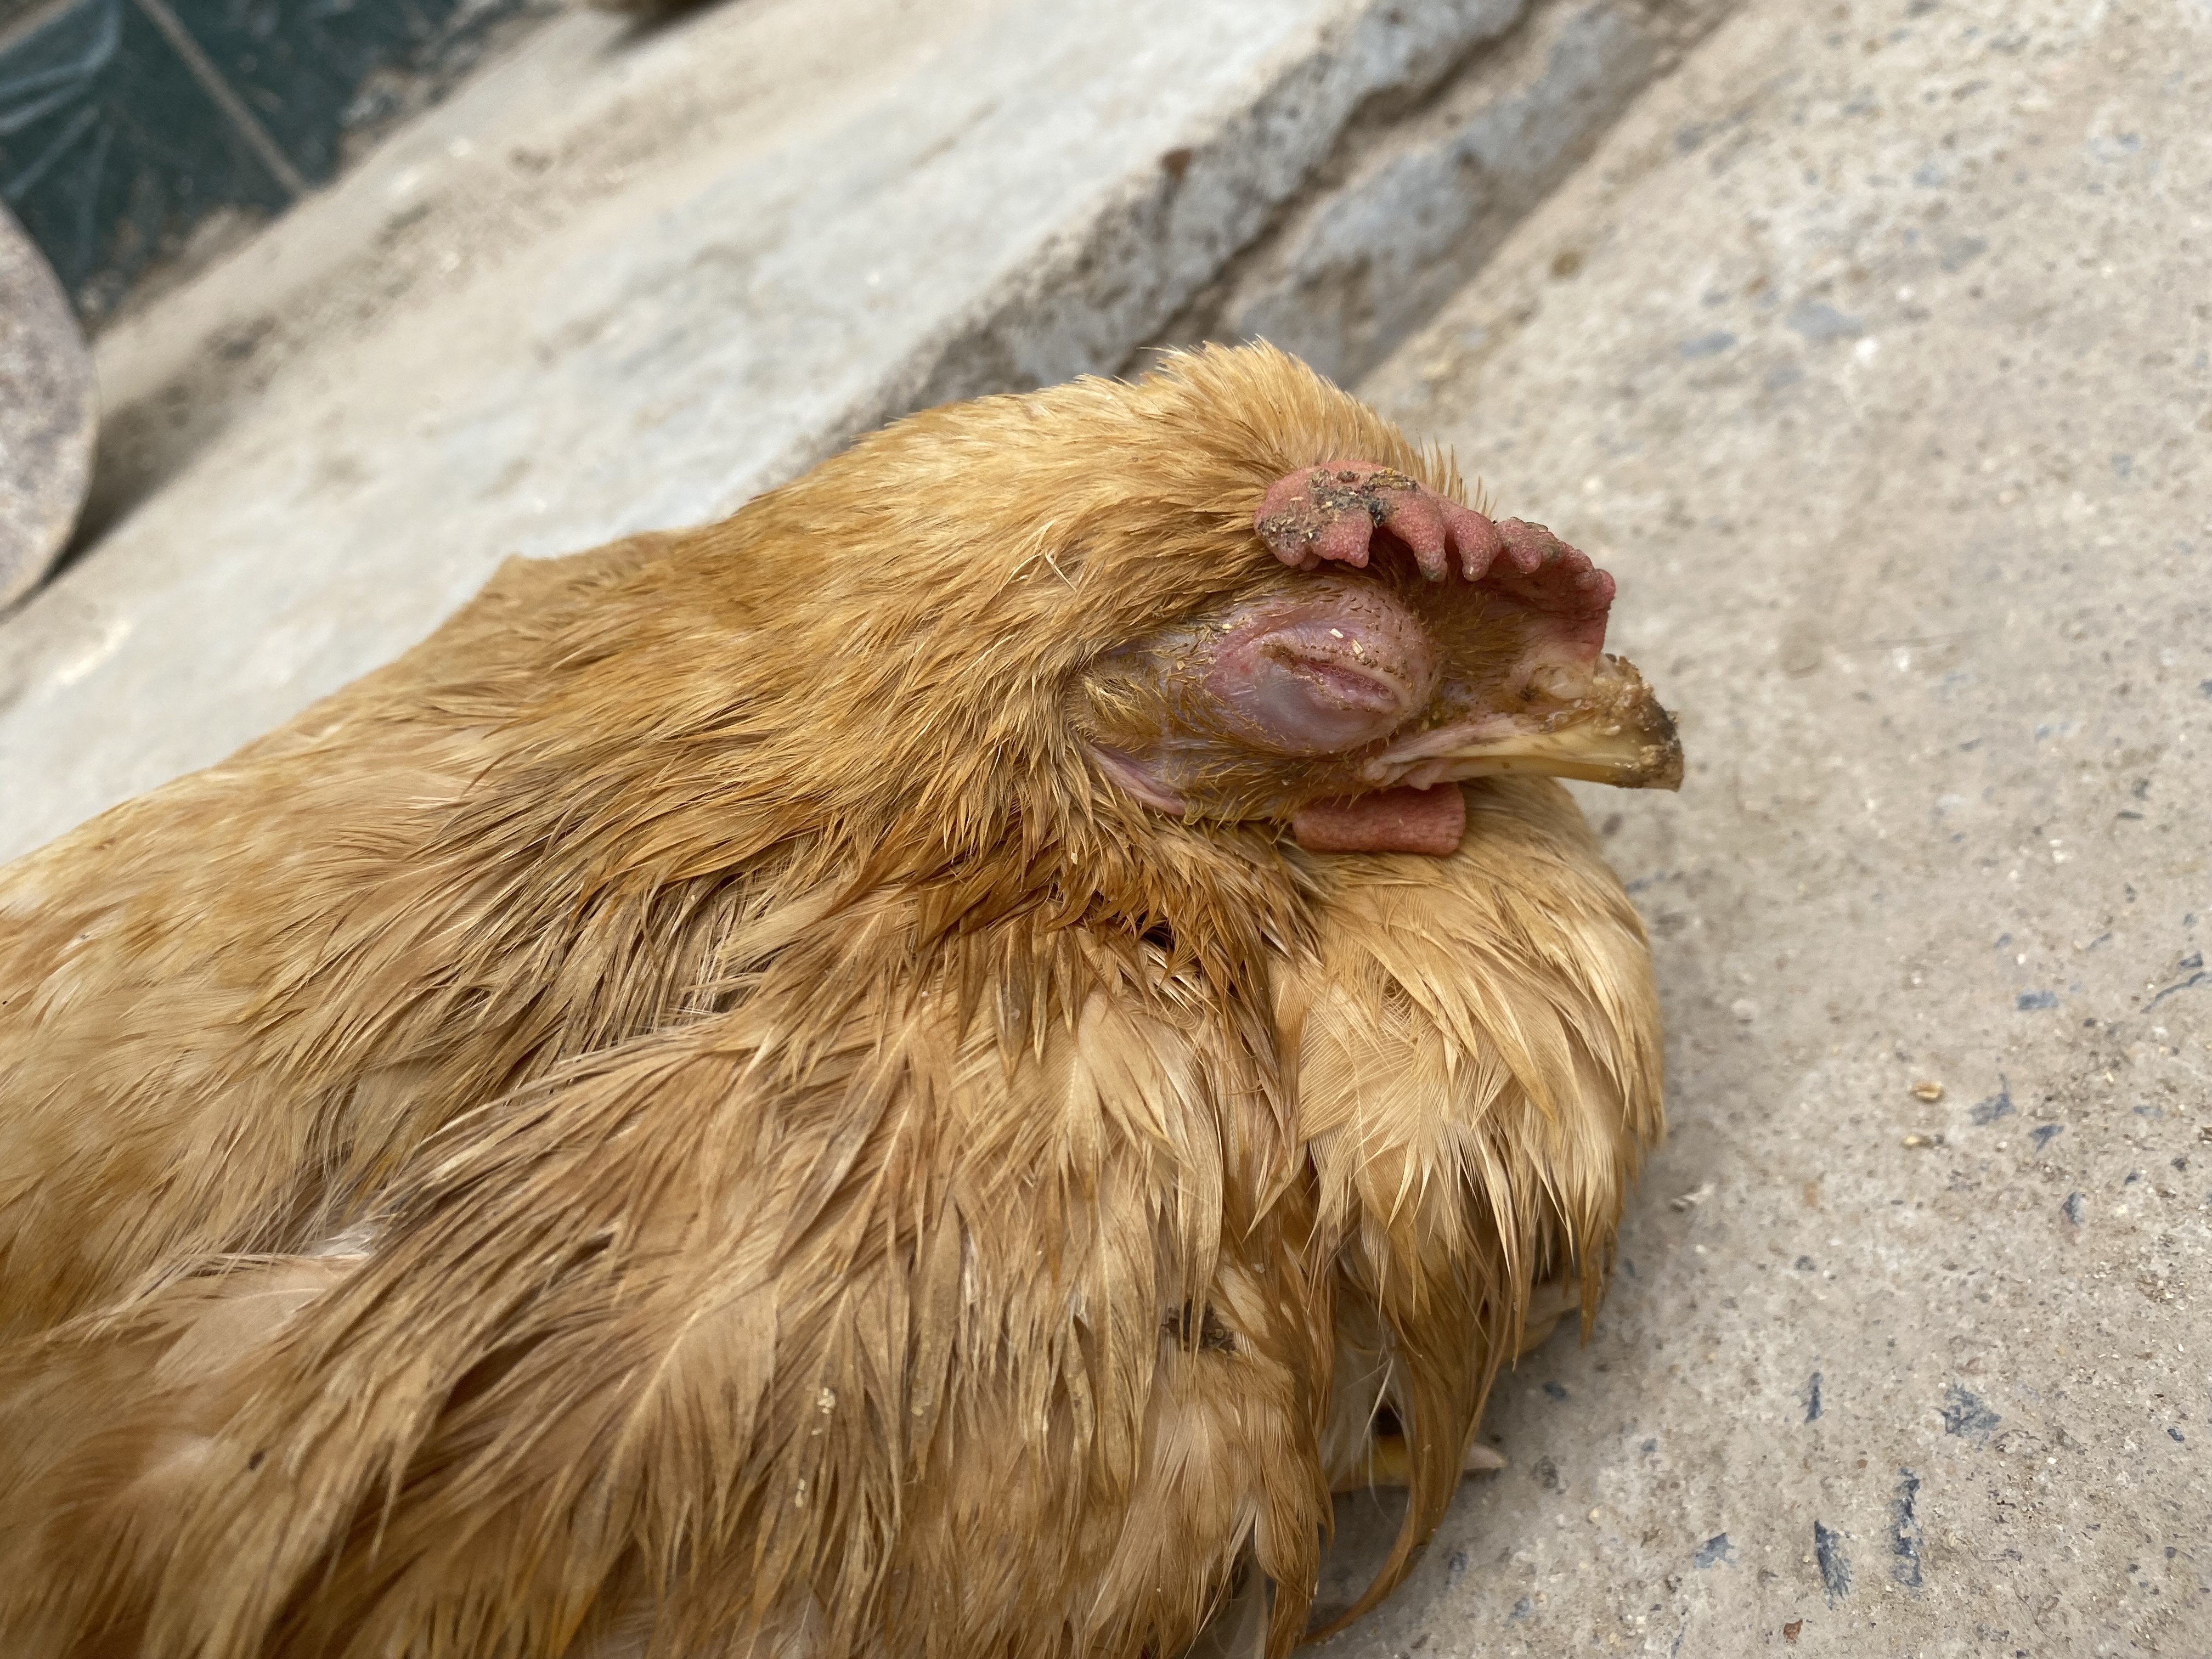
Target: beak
[{"x": 1614, "y": 732}]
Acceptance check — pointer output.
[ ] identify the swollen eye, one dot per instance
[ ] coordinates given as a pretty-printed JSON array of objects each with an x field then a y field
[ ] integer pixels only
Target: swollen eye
[{"x": 1332, "y": 671}]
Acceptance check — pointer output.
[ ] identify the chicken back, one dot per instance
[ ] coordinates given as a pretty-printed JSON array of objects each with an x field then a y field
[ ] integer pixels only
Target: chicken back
[{"x": 902, "y": 1074}]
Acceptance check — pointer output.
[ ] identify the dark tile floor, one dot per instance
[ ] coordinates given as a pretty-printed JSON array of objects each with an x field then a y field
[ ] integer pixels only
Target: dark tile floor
[{"x": 125, "y": 123}]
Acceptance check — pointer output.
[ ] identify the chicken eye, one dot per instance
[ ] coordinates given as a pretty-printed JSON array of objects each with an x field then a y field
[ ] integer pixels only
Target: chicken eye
[{"x": 1332, "y": 671}]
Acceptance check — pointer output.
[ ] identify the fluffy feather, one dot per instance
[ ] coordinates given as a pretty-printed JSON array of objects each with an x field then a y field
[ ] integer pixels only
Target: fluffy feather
[{"x": 688, "y": 1114}]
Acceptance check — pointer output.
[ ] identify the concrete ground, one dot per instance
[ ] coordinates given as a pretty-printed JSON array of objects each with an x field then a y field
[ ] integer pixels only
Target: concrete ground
[
  {"x": 1872, "y": 351},
  {"x": 1872, "y": 354}
]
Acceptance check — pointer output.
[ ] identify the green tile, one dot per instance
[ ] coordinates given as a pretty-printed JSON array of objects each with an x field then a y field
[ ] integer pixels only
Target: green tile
[
  {"x": 124, "y": 123},
  {"x": 297, "y": 66},
  {"x": 110, "y": 150}
]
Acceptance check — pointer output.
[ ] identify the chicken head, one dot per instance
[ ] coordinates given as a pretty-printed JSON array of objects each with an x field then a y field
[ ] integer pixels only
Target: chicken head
[{"x": 1409, "y": 642}]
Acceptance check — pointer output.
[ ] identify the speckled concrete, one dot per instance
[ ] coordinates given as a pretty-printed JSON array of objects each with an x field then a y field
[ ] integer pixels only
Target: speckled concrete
[
  {"x": 1415, "y": 204},
  {"x": 1873, "y": 353}
]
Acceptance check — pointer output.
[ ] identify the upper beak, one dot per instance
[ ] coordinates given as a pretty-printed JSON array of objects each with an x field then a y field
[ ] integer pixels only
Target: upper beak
[{"x": 1616, "y": 732}]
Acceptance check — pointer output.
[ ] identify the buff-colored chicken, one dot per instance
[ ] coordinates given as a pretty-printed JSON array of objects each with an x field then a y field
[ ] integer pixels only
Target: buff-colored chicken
[{"x": 900, "y": 1075}]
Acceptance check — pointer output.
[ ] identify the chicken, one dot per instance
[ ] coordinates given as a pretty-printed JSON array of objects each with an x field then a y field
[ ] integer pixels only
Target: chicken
[{"x": 903, "y": 1074}]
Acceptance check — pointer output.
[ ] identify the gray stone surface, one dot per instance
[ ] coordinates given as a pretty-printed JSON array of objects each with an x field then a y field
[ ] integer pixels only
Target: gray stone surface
[
  {"x": 48, "y": 414},
  {"x": 1427, "y": 196},
  {"x": 1872, "y": 352}
]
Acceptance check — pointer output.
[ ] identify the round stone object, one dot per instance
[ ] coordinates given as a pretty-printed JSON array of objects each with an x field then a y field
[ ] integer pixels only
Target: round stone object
[{"x": 49, "y": 414}]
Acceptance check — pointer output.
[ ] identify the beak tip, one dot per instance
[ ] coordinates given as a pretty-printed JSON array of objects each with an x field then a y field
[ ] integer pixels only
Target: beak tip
[{"x": 1664, "y": 768}]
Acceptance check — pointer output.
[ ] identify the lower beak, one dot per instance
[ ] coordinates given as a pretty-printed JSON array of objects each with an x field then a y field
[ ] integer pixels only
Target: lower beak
[{"x": 1616, "y": 732}]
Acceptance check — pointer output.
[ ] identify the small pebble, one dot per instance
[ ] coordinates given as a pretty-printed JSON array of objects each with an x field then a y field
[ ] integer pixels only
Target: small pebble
[
  {"x": 1924, "y": 1140},
  {"x": 1928, "y": 1089}
]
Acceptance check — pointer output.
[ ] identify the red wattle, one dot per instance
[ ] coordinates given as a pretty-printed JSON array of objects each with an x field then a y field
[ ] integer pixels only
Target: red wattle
[{"x": 1402, "y": 820}]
